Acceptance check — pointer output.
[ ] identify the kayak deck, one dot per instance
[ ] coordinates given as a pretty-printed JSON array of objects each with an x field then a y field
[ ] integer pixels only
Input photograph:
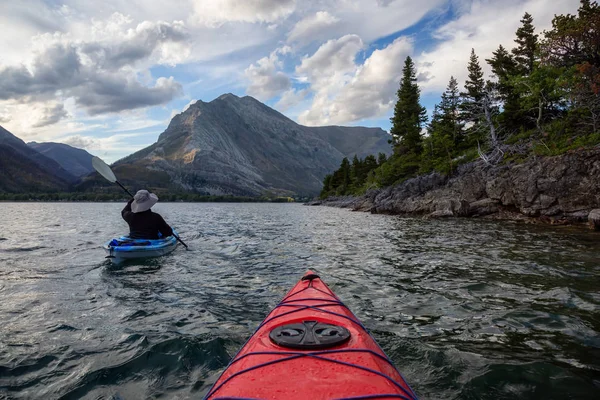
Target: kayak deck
[
  {"x": 311, "y": 346},
  {"x": 124, "y": 248}
]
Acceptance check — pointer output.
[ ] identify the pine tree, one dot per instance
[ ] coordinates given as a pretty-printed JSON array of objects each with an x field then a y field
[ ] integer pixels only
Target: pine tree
[
  {"x": 370, "y": 163},
  {"x": 343, "y": 178},
  {"x": 439, "y": 144},
  {"x": 409, "y": 115},
  {"x": 479, "y": 104},
  {"x": 474, "y": 91},
  {"x": 450, "y": 110},
  {"x": 504, "y": 68},
  {"x": 326, "y": 186},
  {"x": 574, "y": 39},
  {"x": 358, "y": 172},
  {"x": 527, "y": 42},
  {"x": 446, "y": 131}
]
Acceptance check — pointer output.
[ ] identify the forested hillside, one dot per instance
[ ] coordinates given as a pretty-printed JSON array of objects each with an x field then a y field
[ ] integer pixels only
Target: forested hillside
[{"x": 542, "y": 99}]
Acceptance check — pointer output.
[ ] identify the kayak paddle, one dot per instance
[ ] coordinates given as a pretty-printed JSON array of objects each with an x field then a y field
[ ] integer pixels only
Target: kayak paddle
[{"x": 103, "y": 169}]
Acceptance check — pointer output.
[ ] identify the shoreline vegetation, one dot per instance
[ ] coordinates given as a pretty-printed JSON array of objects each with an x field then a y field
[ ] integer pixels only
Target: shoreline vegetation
[{"x": 542, "y": 101}]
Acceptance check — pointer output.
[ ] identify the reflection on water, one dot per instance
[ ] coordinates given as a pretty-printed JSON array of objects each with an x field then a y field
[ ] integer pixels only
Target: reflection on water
[{"x": 467, "y": 309}]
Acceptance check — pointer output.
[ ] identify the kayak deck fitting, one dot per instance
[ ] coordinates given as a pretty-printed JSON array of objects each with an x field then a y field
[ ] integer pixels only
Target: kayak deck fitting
[{"x": 311, "y": 346}]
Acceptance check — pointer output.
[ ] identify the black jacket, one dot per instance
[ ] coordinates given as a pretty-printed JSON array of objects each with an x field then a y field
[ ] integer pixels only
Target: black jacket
[{"x": 146, "y": 224}]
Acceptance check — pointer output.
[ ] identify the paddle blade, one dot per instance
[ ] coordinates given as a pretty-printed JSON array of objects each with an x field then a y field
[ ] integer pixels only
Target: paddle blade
[{"x": 103, "y": 169}]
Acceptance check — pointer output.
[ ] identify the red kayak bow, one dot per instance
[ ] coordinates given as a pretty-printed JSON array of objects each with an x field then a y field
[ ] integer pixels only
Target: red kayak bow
[{"x": 311, "y": 346}]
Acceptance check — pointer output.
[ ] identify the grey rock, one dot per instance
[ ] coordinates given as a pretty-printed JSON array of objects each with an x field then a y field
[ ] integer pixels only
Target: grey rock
[
  {"x": 594, "y": 219},
  {"x": 484, "y": 207},
  {"x": 240, "y": 146},
  {"x": 563, "y": 188},
  {"x": 441, "y": 214}
]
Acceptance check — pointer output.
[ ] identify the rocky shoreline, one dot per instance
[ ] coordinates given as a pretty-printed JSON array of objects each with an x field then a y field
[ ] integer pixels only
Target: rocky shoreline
[{"x": 561, "y": 189}]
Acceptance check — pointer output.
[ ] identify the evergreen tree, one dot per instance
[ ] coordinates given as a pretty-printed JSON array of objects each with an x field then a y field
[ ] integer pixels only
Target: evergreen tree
[
  {"x": 340, "y": 181},
  {"x": 439, "y": 144},
  {"x": 358, "y": 172},
  {"x": 574, "y": 44},
  {"x": 409, "y": 115},
  {"x": 450, "y": 110},
  {"x": 527, "y": 42},
  {"x": 446, "y": 131},
  {"x": 381, "y": 158},
  {"x": 574, "y": 39},
  {"x": 474, "y": 91},
  {"x": 370, "y": 163},
  {"x": 505, "y": 68},
  {"x": 479, "y": 105},
  {"x": 355, "y": 169},
  {"x": 326, "y": 186},
  {"x": 540, "y": 94}
]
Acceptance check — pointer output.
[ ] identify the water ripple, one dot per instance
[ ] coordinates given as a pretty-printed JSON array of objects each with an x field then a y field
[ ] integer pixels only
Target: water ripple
[{"x": 467, "y": 309}]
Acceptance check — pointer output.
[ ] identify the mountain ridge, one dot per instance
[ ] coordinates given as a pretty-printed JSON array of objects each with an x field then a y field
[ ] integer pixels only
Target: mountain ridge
[
  {"x": 77, "y": 162},
  {"x": 25, "y": 169},
  {"x": 230, "y": 146},
  {"x": 239, "y": 146}
]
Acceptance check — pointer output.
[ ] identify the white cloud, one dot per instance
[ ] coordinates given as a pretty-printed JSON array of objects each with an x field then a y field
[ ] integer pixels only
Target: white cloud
[
  {"x": 4, "y": 117},
  {"x": 365, "y": 91},
  {"x": 212, "y": 12},
  {"x": 81, "y": 142},
  {"x": 313, "y": 27},
  {"x": 291, "y": 98},
  {"x": 266, "y": 79},
  {"x": 49, "y": 115},
  {"x": 111, "y": 93},
  {"x": 98, "y": 74},
  {"x": 332, "y": 64},
  {"x": 26, "y": 115},
  {"x": 24, "y": 119},
  {"x": 484, "y": 25},
  {"x": 114, "y": 45},
  {"x": 368, "y": 19}
]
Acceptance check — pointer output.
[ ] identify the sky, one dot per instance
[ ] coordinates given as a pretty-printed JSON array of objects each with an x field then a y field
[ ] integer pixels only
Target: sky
[{"x": 108, "y": 76}]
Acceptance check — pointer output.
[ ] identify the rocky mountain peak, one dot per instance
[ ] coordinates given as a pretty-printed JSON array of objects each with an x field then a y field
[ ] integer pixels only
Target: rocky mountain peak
[
  {"x": 227, "y": 97},
  {"x": 240, "y": 146}
]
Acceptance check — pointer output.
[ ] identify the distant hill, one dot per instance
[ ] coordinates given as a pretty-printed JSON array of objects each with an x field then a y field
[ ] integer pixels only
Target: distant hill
[
  {"x": 23, "y": 169},
  {"x": 76, "y": 161},
  {"x": 351, "y": 140},
  {"x": 239, "y": 146}
]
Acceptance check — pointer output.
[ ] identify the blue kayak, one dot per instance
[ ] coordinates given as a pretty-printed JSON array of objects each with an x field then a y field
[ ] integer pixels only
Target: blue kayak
[{"x": 125, "y": 248}]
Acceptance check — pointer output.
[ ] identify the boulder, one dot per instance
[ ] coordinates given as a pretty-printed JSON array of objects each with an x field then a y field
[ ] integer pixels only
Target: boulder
[
  {"x": 594, "y": 219},
  {"x": 483, "y": 207},
  {"x": 441, "y": 214}
]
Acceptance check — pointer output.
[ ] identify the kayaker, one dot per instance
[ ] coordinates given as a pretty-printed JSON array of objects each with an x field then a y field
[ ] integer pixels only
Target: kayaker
[{"x": 143, "y": 223}]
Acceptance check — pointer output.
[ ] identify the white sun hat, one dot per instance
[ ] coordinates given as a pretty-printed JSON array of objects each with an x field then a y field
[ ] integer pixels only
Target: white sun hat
[{"x": 143, "y": 201}]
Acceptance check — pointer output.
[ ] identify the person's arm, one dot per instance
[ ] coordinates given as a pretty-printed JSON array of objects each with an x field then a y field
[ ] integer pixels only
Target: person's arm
[
  {"x": 164, "y": 228},
  {"x": 126, "y": 212}
]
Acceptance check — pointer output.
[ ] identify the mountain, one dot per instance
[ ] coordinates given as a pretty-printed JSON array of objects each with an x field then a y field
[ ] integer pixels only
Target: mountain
[
  {"x": 239, "y": 146},
  {"x": 75, "y": 161},
  {"x": 23, "y": 169},
  {"x": 356, "y": 140}
]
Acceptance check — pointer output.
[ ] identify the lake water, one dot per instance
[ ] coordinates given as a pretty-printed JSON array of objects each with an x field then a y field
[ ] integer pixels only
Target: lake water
[{"x": 466, "y": 309}]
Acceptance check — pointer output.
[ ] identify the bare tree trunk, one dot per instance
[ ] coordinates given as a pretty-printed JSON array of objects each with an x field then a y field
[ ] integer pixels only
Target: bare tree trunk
[
  {"x": 538, "y": 122},
  {"x": 490, "y": 122}
]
